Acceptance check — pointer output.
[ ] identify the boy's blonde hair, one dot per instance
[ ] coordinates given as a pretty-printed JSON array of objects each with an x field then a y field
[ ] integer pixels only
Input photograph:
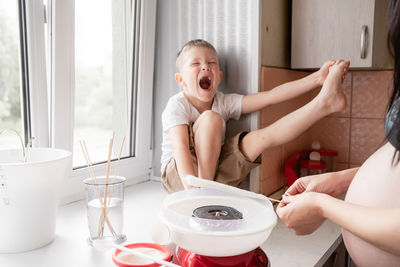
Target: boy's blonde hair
[{"x": 190, "y": 44}]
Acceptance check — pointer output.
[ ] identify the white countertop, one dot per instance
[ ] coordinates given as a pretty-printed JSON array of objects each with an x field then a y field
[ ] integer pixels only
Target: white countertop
[{"x": 142, "y": 203}]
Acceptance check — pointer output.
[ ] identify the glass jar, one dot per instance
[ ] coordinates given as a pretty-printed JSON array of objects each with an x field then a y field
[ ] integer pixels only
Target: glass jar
[
  {"x": 328, "y": 156},
  {"x": 312, "y": 167}
]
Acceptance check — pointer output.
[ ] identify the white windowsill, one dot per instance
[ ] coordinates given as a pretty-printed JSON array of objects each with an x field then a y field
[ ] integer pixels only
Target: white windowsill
[{"x": 142, "y": 204}]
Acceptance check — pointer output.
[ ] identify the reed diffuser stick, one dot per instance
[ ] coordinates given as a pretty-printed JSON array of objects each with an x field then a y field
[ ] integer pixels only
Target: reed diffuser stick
[
  {"x": 104, "y": 209},
  {"x": 94, "y": 180},
  {"x": 274, "y": 200},
  {"x": 88, "y": 162},
  {"x": 116, "y": 167},
  {"x": 119, "y": 157}
]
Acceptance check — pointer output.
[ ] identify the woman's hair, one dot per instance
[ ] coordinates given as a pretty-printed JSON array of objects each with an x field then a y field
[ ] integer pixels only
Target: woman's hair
[
  {"x": 394, "y": 48},
  {"x": 190, "y": 44}
]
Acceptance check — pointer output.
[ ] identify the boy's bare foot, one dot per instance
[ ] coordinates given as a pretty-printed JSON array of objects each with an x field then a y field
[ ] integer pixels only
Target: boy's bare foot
[
  {"x": 323, "y": 72},
  {"x": 331, "y": 94}
]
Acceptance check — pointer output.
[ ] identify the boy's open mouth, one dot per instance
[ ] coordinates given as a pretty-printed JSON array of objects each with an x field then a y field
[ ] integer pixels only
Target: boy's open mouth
[{"x": 205, "y": 82}]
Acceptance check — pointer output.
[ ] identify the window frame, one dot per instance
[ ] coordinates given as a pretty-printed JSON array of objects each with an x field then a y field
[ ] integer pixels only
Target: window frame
[
  {"x": 34, "y": 98},
  {"x": 53, "y": 123}
]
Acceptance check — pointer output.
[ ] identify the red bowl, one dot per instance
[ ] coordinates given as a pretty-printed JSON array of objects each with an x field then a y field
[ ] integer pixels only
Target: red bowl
[{"x": 121, "y": 263}]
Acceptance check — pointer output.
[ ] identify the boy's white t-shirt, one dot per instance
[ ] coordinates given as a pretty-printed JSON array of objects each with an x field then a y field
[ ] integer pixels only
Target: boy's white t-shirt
[{"x": 180, "y": 111}]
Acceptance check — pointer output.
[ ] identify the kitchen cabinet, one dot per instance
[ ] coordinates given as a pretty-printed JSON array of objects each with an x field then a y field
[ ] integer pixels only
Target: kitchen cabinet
[
  {"x": 338, "y": 257},
  {"x": 354, "y": 30},
  {"x": 275, "y": 33}
]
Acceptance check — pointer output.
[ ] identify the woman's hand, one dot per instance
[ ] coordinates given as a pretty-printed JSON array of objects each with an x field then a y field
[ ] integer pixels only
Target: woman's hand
[
  {"x": 331, "y": 183},
  {"x": 323, "y": 183},
  {"x": 301, "y": 212}
]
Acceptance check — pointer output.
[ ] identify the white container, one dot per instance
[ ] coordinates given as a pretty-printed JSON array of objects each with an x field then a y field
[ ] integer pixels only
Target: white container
[
  {"x": 201, "y": 236},
  {"x": 29, "y": 197}
]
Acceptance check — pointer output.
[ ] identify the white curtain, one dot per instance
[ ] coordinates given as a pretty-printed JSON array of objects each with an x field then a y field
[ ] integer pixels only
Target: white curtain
[{"x": 232, "y": 26}]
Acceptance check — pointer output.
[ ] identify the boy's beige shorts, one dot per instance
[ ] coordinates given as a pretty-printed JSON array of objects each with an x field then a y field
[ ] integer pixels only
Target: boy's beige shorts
[{"x": 232, "y": 169}]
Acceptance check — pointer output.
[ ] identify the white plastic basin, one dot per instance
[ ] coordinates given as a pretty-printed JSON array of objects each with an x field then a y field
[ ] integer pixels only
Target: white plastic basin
[{"x": 29, "y": 197}]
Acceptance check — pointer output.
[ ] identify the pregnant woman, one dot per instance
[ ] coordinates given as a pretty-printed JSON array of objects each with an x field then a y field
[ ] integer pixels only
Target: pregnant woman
[{"x": 370, "y": 214}]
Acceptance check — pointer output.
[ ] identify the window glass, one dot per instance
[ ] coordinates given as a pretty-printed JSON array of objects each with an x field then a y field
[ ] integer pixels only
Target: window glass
[
  {"x": 102, "y": 85},
  {"x": 10, "y": 85}
]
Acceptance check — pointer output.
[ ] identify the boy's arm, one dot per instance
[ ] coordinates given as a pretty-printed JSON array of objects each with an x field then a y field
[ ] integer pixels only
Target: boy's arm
[
  {"x": 286, "y": 91},
  {"x": 180, "y": 143}
]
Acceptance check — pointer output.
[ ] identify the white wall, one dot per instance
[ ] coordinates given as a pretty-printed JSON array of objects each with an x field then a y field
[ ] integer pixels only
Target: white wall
[{"x": 232, "y": 26}]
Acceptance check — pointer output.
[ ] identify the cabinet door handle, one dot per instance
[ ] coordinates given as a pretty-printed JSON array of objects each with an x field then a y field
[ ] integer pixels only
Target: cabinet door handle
[{"x": 364, "y": 32}]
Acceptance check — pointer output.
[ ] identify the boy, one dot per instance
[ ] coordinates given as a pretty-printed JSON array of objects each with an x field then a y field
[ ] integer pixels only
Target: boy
[{"x": 194, "y": 120}]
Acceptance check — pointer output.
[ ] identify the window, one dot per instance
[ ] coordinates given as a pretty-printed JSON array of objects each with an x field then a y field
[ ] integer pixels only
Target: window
[
  {"x": 90, "y": 74},
  {"x": 103, "y": 70},
  {"x": 101, "y": 82},
  {"x": 11, "y": 81},
  {"x": 23, "y": 103}
]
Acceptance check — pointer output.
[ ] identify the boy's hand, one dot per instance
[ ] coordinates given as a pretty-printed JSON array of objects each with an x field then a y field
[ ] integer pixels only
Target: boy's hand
[{"x": 324, "y": 70}]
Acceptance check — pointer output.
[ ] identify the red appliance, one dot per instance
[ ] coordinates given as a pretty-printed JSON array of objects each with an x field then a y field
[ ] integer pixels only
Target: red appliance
[{"x": 254, "y": 258}]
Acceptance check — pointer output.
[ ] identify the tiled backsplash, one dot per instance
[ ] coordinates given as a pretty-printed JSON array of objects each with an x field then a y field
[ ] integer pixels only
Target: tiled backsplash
[{"x": 355, "y": 132}]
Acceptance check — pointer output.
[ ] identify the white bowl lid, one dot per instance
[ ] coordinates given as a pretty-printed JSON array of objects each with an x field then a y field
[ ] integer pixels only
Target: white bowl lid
[{"x": 177, "y": 213}]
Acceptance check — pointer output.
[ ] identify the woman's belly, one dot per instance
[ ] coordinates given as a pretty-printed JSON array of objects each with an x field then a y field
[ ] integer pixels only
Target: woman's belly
[{"x": 376, "y": 184}]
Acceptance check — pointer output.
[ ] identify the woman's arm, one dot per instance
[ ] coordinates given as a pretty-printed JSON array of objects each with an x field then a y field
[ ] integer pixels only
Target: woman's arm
[
  {"x": 180, "y": 143},
  {"x": 258, "y": 101},
  {"x": 378, "y": 226}
]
